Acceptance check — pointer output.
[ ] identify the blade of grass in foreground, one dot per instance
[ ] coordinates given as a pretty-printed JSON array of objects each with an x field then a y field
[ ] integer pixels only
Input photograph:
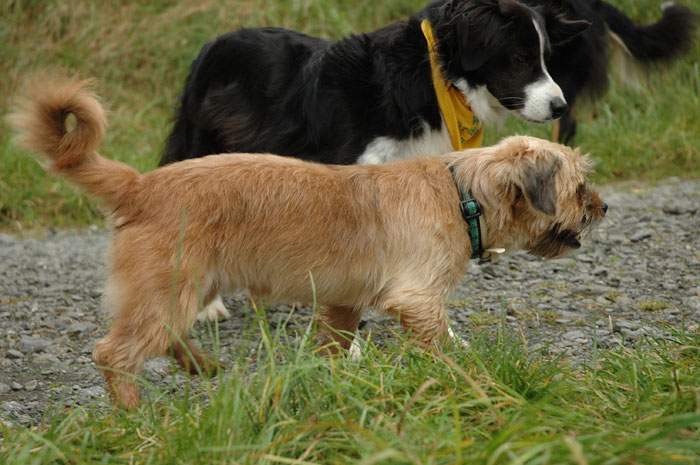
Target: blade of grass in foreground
[{"x": 492, "y": 404}]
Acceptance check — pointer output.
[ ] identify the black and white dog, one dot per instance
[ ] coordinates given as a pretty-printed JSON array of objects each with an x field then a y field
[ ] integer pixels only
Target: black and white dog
[{"x": 368, "y": 98}]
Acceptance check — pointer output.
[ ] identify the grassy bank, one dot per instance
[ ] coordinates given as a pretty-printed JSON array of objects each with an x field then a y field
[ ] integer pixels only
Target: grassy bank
[
  {"x": 489, "y": 405},
  {"x": 140, "y": 50}
]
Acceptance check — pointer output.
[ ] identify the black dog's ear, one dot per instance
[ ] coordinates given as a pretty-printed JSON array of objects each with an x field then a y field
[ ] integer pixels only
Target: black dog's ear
[
  {"x": 538, "y": 183},
  {"x": 562, "y": 30},
  {"x": 509, "y": 7},
  {"x": 474, "y": 45},
  {"x": 480, "y": 34}
]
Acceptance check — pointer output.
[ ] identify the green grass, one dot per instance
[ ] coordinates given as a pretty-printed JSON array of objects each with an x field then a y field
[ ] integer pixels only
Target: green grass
[
  {"x": 492, "y": 404},
  {"x": 653, "y": 305},
  {"x": 140, "y": 50}
]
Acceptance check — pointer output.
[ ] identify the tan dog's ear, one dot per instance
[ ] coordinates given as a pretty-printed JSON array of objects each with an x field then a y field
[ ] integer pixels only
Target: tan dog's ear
[{"x": 538, "y": 182}]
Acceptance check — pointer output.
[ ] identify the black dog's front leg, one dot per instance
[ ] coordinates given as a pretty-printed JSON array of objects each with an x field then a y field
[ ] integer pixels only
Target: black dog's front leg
[{"x": 564, "y": 129}]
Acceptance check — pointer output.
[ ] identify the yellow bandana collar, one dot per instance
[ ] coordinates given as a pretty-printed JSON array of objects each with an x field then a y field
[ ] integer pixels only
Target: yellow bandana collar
[{"x": 465, "y": 129}]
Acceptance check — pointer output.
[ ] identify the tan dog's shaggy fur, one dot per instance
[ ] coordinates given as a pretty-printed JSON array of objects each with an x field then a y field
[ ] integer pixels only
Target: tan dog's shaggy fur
[{"x": 389, "y": 236}]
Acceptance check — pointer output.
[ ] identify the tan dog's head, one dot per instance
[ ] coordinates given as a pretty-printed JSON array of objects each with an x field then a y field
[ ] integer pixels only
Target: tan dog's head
[{"x": 534, "y": 194}]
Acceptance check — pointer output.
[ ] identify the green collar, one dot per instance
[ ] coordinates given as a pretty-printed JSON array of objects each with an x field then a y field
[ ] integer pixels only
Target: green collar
[{"x": 471, "y": 211}]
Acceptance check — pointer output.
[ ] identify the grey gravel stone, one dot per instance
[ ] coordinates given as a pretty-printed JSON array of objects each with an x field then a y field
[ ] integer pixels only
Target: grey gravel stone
[
  {"x": 94, "y": 392},
  {"x": 14, "y": 354},
  {"x": 575, "y": 334},
  {"x": 81, "y": 327},
  {"x": 617, "y": 239},
  {"x": 15, "y": 411},
  {"x": 620, "y": 325},
  {"x": 571, "y": 305},
  {"x": 641, "y": 235},
  {"x": 12, "y": 407},
  {"x": 31, "y": 385},
  {"x": 30, "y": 345},
  {"x": 681, "y": 208}
]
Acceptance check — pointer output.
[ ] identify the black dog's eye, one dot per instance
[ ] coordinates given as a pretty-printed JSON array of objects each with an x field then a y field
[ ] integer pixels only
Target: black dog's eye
[{"x": 519, "y": 59}]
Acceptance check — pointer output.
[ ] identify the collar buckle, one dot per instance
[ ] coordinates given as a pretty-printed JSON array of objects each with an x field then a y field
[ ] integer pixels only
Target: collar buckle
[{"x": 470, "y": 209}]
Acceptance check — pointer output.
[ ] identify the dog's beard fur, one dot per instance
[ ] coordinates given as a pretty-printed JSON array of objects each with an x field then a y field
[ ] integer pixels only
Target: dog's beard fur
[
  {"x": 386, "y": 236},
  {"x": 558, "y": 240},
  {"x": 562, "y": 238}
]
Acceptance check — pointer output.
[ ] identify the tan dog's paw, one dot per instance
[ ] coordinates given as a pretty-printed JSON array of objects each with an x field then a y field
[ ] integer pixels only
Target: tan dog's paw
[
  {"x": 355, "y": 350},
  {"x": 215, "y": 311},
  {"x": 457, "y": 339}
]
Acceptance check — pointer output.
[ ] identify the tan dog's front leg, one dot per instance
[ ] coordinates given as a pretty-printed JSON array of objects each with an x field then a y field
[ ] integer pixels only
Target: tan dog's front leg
[
  {"x": 424, "y": 319},
  {"x": 337, "y": 327}
]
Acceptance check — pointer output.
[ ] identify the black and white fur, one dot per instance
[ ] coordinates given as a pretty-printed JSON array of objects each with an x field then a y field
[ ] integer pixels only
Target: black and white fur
[
  {"x": 580, "y": 66},
  {"x": 368, "y": 98}
]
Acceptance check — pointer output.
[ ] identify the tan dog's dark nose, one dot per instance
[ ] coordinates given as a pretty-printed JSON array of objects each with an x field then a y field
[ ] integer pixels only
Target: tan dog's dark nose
[{"x": 605, "y": 208}]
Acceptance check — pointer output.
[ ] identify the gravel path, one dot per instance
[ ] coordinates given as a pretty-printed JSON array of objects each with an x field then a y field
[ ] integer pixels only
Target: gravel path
[{"x": 638, "y": 275}]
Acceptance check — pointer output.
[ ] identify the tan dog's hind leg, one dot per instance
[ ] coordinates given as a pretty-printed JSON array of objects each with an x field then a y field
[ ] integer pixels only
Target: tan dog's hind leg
[
  {"x": 337, "y": 327},
  {"x": 187, "y": 354},
  {"x": 192, "y": 359},
  {"x": 121, "y": 354},
  {"x": 146, "y": 324}
]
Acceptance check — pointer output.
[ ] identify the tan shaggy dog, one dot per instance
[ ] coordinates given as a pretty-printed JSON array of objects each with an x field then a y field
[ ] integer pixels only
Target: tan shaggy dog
[{"x": 390, "y": 237}]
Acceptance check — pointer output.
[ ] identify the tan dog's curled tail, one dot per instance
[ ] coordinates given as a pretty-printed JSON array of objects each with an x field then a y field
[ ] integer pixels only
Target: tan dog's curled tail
[{"x": 41, "y": 126}]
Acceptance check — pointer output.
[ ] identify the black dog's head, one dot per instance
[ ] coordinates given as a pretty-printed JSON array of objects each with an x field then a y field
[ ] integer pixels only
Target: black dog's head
[{"x": 495, "y": 52}]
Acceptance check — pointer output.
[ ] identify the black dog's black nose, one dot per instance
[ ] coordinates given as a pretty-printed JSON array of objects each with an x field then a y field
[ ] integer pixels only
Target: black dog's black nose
[
  {"x": 558, "y": 107},
  {"x": 605, "y": 207}
]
